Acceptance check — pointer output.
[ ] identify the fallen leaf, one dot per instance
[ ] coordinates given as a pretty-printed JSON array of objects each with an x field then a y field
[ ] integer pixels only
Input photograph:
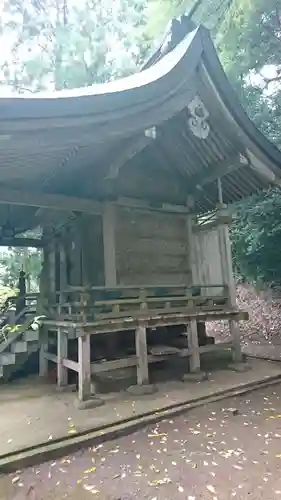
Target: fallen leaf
[{"x": 210, "y": 488}]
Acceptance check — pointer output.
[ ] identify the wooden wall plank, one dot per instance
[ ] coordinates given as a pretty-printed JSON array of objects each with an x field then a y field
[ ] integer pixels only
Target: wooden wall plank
[{"x": 151, "y": 247}]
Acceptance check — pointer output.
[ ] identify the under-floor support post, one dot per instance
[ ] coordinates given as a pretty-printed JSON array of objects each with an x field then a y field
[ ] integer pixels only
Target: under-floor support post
[
  {"x": 43, "y": 362},
  {"x": 236, "y": 340},
  {"x": 141, "y": 352},
  {"x": 84, "y": 374},
  {"x": 193, "y": 344},
  {"x": 62, "y": 371}
]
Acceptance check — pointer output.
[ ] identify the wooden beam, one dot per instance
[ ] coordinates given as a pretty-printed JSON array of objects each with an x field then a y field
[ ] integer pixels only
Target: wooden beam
[
  {"x": 71, "y": 365},
  {"x": 21, "y": 242},
  {"x": 216, "y": 170},
  {"x": 208, "y": 226},
  {"x": 53, "y": 201},
  {"x": 134, "y": 146},
  {"x": 147, "y": 205},
  {"x": 51, "y": 357}
]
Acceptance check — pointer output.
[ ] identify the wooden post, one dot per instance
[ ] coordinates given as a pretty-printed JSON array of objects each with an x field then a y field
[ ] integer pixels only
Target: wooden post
[
  {"x": 62, "y": 373},
  {"x": 76, "y": 255},
  {"x": 44, "y": 285},
  {"x": 191, "y": 255},
  {"x": 228, "y": 278},
  {"x": 52, "y": 267},
  {"x": 193, "y": 344},
  {"x": 191, "y": 251},
  {"x": 108, "y": 228},
  {"x": 63, "y": 277},
  {"x": 236, "y": 341},
  {"x": 110, "y": 273},
  {"x": 84, "y": 374},
  {"x": 43, "y": 362},
  {"x": 141, "y": 352}
]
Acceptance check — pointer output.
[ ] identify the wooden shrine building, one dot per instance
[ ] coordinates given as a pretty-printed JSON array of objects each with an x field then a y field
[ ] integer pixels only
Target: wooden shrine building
[{"x": 130, "y": 182}]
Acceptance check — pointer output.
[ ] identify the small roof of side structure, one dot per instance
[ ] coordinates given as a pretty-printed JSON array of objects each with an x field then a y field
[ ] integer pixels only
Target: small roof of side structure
[{"x": 162, "y": 134}]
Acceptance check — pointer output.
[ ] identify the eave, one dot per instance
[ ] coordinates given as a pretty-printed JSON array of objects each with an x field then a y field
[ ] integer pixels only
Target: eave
[{"x": 82, "y": 144}]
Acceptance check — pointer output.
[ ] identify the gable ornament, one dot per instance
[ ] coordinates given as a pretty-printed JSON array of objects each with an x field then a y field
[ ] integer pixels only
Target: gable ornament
[{"x": 197, "y": 121}]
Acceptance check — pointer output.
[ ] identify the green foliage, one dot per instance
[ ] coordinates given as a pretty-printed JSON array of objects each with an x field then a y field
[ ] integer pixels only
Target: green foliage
[
  {"x": 256, "y": 238},
  {"x": 248, "y": 37},
  {"x": 65, "y": 44},
  {"x": 57, "y": 44},
  {"x": 15, "y": 260},
  {"x": 5, "y": 293},
  {"x": 247, "y": 34},
  {"x": 249, "y": 43}
]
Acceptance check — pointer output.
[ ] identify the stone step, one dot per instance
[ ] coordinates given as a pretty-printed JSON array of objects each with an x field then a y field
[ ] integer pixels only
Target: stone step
[
  {"x": 20, "y": 346},
  {"x": 7, "y": 358},
  {"x": 31, "y": 335}
]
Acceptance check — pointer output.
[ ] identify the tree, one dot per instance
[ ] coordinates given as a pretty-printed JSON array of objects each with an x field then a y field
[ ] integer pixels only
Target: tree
[
  {"x": 252, "y": 32},
  {"x": 58, "y": 44},
  {"x": 15, "y": 260},
  {"x": 247, "y": 34},
  {"x": 256, "y": 238}
]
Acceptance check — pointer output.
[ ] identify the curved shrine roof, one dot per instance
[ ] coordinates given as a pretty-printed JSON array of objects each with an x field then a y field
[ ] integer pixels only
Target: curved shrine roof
[{"x": 162, "y": 134}]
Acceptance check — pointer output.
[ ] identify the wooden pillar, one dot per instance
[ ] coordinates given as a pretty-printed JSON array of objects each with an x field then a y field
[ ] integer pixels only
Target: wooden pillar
[
  {"x": 109, "y": 257},
  {"x": 193, "y": 344},
  {"x": 62, "y": 372},
  {"x": 236, "y": 341},
  {"x": 84, "y": 374},
  {"x": 192, "y": 258},
  {"x": 141, "y": 352},
  {"x": 52, "y": 266},
  {"x": 44, "y": 285},
  {"x": 43, "y": 362},
  {"x": 228, "y": 278},
  {"x": 76, "y": 255},
  {"x": 191, "y": 253},
  {"x": 108, "y": 228},
  {"x": 63, "y": 274}
]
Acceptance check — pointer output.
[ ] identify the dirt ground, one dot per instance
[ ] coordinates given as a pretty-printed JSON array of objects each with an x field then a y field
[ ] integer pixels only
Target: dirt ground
[
  {"x": 27, "y": 409},
  {"x": 225, "y": 450}
]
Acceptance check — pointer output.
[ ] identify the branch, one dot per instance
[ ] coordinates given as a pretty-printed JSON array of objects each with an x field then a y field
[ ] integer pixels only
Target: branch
[
  {"x": 276, "y": 78},
  {"x": 278, "y": 17}
]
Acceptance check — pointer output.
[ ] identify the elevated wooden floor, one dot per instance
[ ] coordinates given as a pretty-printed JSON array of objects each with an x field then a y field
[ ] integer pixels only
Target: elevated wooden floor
[{"x": 81, "y": 312}]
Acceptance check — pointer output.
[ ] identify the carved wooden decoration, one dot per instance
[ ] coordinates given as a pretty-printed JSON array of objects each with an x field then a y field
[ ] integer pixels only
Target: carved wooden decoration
[{"x": 198, "y": 118}]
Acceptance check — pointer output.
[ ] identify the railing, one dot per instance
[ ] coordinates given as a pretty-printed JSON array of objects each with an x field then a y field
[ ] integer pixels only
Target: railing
[{"x": 97, "y": 303}]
